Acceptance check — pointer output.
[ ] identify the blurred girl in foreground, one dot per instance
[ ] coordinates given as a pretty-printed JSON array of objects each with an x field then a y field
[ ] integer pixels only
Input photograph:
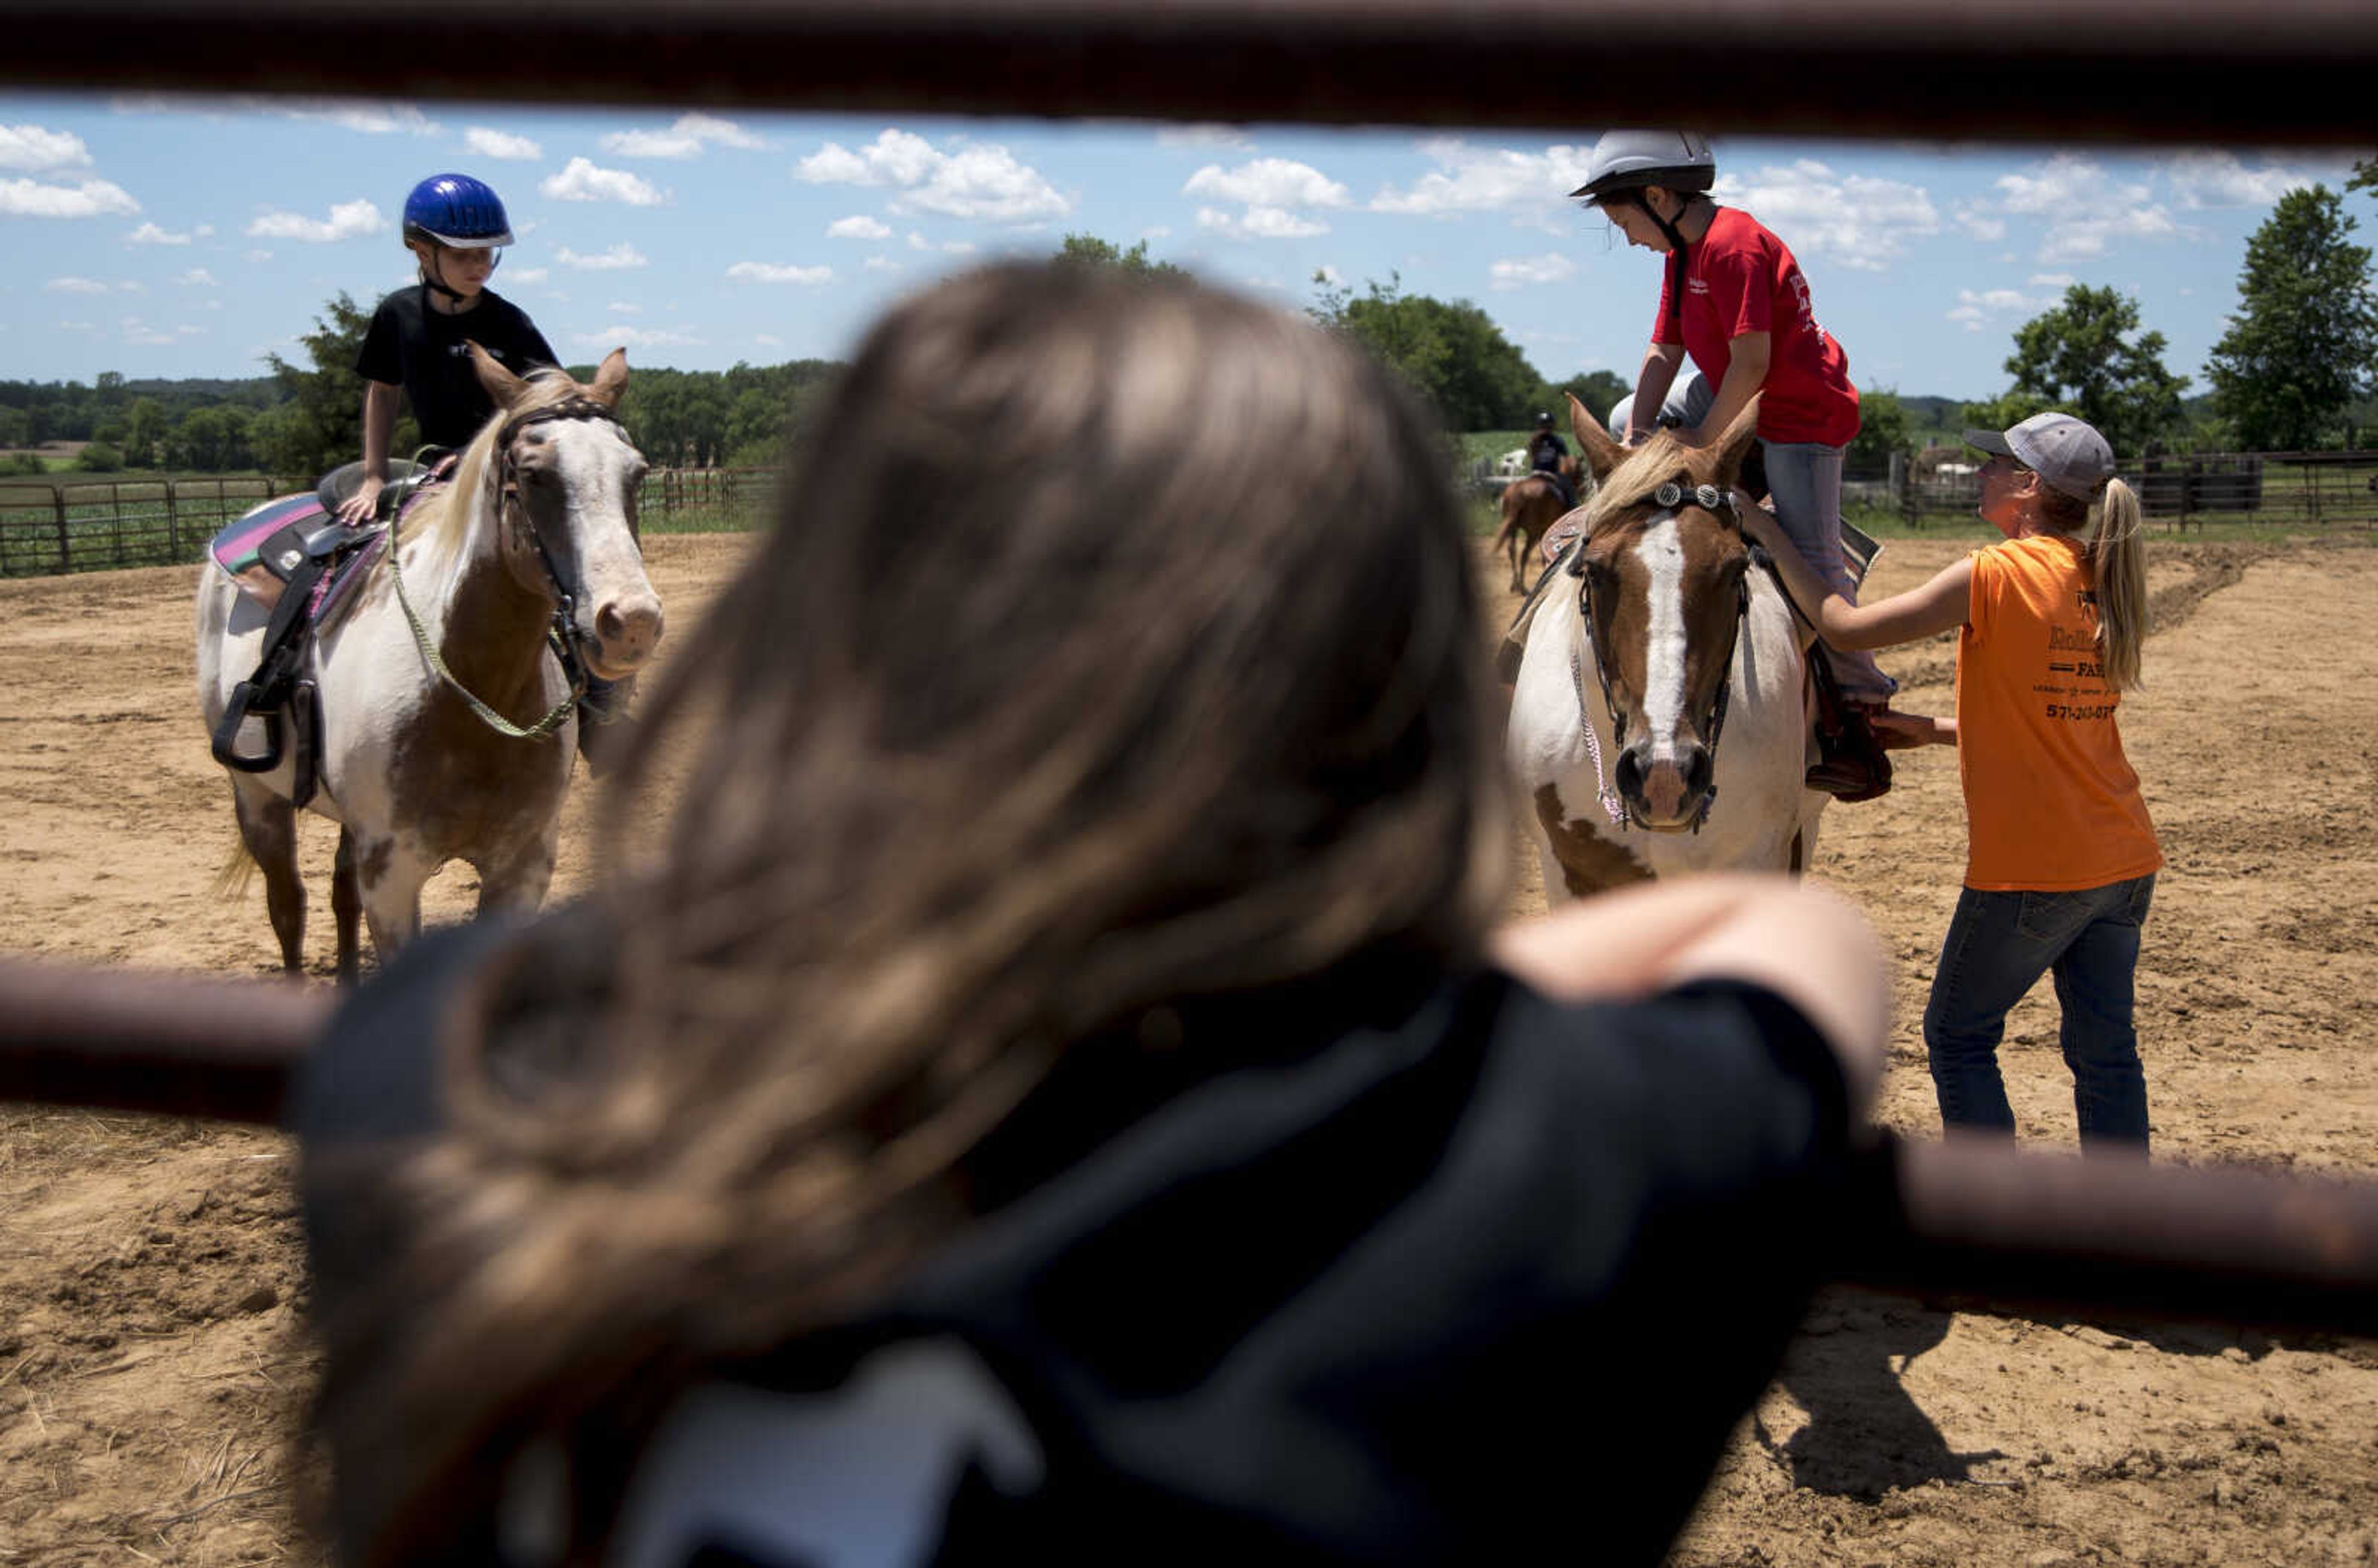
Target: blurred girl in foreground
[{"x": 1058, "y": 1091}]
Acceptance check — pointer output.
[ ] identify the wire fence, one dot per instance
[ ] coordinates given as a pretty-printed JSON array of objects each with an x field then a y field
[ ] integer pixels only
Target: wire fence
[
  {"x": 2310, "y": 491},
  {"x": 52, "y": 526}
]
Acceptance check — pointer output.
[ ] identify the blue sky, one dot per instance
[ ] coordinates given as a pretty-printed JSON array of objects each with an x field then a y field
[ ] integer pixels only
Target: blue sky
[{"x": 187, "y": 236}]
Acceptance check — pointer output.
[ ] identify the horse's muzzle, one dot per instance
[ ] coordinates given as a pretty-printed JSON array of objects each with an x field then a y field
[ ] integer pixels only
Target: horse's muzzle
[
  {"x": 1665, "y": 796},
  {"x": 626, "y": 630}
]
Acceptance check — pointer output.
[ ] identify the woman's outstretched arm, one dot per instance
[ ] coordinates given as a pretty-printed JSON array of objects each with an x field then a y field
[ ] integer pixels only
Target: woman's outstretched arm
[{"x": 1808, "y": 946}]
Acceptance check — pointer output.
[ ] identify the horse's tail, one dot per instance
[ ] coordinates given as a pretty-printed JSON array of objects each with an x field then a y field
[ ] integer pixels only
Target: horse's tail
[
  {"x": 236, "y": 871},
  {"x": 1511, "y": 515}
]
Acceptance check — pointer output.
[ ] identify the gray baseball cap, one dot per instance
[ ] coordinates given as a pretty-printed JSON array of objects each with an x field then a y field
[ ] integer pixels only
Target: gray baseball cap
[{"x": 2066, "y": 452}]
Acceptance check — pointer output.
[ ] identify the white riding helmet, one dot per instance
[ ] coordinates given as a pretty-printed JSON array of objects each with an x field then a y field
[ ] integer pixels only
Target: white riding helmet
[{"x": 1628, "y": 160}]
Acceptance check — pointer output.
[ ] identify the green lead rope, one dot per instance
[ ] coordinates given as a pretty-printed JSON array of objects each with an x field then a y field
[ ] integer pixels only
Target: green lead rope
[{"x": 495, "y": 721}]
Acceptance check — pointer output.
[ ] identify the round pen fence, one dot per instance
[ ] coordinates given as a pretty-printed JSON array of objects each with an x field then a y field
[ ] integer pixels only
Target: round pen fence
[
  {"x": 1987, "y": 1220},
  {"x": 47, "y": 527}
]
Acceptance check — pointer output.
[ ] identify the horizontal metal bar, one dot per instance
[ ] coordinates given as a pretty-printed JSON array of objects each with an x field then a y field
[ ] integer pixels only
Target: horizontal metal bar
[
  {"x": 2227, "y": 71},
  {"x": 2116, "y": 1237},
  {"x": 177, "y": 1045},
  {"x": 1975, "y": 1221}
]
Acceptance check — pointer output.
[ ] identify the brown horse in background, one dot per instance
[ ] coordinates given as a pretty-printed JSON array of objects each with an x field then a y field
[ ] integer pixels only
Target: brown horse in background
[{"x": 1531, "y": 505}]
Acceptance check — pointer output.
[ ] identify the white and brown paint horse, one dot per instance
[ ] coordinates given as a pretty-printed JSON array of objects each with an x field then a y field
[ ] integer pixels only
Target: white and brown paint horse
[
  {"x": 1658, "y": 723},
  {"x": 536, "y": 532}
]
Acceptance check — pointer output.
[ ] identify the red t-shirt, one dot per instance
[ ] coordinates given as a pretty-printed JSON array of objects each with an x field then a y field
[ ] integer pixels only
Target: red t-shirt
[{"x": 1739, "y": 277}]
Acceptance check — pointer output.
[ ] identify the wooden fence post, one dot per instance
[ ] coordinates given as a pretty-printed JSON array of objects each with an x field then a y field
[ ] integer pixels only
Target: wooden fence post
[
  {"x": 58, "y": 496},
  {"x": 173, "y": 521}
]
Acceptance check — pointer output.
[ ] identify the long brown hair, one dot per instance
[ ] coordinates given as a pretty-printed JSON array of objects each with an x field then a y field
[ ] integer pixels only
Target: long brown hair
[{"x": 1115, "y": 644}]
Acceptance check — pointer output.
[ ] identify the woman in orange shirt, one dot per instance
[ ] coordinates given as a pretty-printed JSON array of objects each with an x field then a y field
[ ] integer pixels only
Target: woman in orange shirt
[{"x": 2062, "y": 858}]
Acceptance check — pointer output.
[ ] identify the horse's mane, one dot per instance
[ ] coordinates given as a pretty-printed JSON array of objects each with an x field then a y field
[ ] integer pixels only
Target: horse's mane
[
  {"x": 1646, "y": 468},
  {"x": 442, "y": 520}
]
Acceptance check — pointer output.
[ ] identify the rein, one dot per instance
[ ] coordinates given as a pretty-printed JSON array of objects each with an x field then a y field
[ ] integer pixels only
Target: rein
[
  {"x": 560, "y": 636},
  {"x": 1710, "y": 499}
]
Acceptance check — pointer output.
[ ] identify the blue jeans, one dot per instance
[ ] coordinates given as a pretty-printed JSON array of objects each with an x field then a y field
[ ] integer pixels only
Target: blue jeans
[
  {"x": 1805, "y": 478},
  {"x": 1999, "y": 945}
]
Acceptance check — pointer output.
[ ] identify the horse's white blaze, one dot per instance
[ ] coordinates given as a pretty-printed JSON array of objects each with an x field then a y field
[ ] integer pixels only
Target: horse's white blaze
[
  {"x": 1761, "y": 805},
  {"x": 1662, "y": 554}
]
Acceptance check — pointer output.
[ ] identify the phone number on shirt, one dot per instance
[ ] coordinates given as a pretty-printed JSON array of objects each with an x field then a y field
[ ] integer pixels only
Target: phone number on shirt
[{"x": 2067, "y": 710}]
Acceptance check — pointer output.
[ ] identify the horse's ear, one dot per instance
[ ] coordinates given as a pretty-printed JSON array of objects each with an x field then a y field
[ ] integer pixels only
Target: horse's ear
[
  {"x": 610, "y": 378},
  {"x": 1734, "y": 445},
  {"x": 1601, "y": 453},
  {"x": 504, "y": 389}
]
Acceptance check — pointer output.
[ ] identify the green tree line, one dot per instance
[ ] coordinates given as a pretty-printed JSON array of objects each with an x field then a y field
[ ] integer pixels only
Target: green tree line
[{"x": 2297, "y": 368}]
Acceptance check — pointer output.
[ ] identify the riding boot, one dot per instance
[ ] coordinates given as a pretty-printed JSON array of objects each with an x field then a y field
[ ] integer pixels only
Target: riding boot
[
  {"x": 605, "y": 728},
  {"x": 1850, "y": 764}
]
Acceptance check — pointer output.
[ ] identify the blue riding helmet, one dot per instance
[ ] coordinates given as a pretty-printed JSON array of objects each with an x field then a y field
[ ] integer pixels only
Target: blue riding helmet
[{"x": 457, "y": 212}]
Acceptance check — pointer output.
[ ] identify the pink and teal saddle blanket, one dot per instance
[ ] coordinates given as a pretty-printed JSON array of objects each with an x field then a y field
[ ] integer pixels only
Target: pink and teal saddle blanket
[{"x": 278, "y": 541}]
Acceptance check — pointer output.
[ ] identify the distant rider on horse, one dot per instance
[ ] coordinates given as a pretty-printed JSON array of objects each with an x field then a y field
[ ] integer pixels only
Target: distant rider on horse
[{"x": 1546, "y": 453}]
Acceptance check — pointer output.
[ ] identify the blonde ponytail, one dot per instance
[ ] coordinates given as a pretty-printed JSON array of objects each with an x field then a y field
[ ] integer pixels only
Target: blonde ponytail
[{"x": 2118, "y": 561}]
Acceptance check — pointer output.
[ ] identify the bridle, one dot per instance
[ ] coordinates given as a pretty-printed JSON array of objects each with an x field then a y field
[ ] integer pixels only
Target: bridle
[
  {"x": 1670, "y": 497},
  {"x": 561, "y": 634}
]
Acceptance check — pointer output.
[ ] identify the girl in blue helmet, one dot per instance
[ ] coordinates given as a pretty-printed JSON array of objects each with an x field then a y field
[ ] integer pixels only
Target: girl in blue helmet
[{"x": 455, "y": 225}]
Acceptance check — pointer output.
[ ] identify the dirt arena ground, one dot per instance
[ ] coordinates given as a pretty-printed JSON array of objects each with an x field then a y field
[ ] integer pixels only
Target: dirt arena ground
[{"x": 152, "y": 1357}]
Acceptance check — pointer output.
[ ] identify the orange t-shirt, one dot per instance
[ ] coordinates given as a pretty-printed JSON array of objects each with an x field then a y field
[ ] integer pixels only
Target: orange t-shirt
[{"x": 2051, "y": 803}]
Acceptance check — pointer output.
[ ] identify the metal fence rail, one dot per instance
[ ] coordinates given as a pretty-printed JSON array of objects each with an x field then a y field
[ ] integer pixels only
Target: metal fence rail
[
  {"x": 49, "y": 527},
  {"x": 2322, "y": 491}
]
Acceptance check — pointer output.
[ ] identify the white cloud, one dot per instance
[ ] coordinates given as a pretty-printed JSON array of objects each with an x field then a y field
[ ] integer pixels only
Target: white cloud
[
  {"x": 1976, "y": 306},
  {"x": 979, "y": 179},
  {"x": 76, "y": 327},
  {"x": 259, "y": 255},
  {"x": 485, "y": 141},
  {"x": 2052, "y": 280},
  {"x": 528, "y": 275},
  {"x": 1519, "y": 272},
  {"x": 136, "y": 331},
  {"x": 1277, "y": 194},
  {"x": 198, "y": 278},
  {"x": 372, "y": 119},
  {"x": 1854, "y": 220},
  {"x": 150, "y": 234},
  {"x": 895, "y": 158},
  {"x": 1218, "y": 138},
  {"x": 1977, "y": 220},
  {"x": 950, "y": 248},
  {"x": 31, "y": 147},
  {"x": 618, "y": 256},
  {"x": 1487, "y": 179},
  {"x": 583, "y": 180},
  {"x": 1266, "y": 182},
  {"x": 881, "y": 264},
  {"x": 2085, "y": 207},
  {"x": 768, "y": 340},
  {"x": 88, "y": 199},
  {"x": 861, "y": 227},
  {"x": 76, "y": 286},
  {"x": 641, "y": 336},
  {"x": 1972, "y": 315},
  {"x": 686, "y": 139},
  {"x": 348, "y": 220},
  {"x": 2219, "y": 179},
  {"x": 623, "y": 307},
  {"x": 1260, "y": 223},
  {"x": 776, "y": 273}
]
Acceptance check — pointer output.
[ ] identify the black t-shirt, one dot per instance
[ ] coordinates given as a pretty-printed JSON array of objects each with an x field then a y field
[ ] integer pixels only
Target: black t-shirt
[
  {"x": 413, "y": 346},
  {"x": 1367, "y": 1270},
  {"x": 1546, "y": 450}
]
